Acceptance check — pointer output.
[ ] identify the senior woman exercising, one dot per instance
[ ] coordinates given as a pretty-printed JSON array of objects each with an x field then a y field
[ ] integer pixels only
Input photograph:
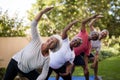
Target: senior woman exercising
[{"x": 35, "y": 55}]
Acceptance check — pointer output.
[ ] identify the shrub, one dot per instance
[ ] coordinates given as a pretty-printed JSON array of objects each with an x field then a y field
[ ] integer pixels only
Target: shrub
[
  {"x": 2, "y": 72},
  {"x": 110, "y": 47}
]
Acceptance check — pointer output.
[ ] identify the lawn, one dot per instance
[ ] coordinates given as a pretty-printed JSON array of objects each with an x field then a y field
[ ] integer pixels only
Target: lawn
[{"x": 109, "y": 69}]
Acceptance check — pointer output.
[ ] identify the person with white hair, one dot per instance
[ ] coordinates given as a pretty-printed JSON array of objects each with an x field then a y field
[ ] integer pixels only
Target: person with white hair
[
  {"x": 96, "y": 46},
  {"x": 83, "y": 51},
  {"x": 61, "y": 61},
  {"x": 35, "y": 55}
]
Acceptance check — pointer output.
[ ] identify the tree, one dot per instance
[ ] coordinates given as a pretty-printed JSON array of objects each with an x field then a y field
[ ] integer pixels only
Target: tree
[
  {"x": 11, "y": 27},
  {"x": 110, "y": 9},
  {"x": 67, "y": 10}
]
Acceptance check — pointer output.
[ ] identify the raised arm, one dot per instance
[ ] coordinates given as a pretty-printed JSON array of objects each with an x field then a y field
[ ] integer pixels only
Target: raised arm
[
  {"x": 34, "y": 31},
  {"x": 93, "y": 21},
  {"x": 64, "y": 33},
  {"x": 37, "y": 18},
  {"x": 91, "y": 24},
  {"x": 84, "y": 22}
]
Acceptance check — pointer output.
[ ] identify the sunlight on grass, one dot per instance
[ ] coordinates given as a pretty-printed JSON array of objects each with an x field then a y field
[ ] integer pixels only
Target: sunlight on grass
[{"x": 109, "y": 68}]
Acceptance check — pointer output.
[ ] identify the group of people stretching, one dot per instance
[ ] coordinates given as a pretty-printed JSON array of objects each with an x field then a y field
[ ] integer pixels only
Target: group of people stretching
[{"x": 58, "y": 53}]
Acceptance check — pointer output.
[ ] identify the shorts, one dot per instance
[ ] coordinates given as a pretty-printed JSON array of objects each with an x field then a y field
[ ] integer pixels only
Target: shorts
[{"x": 79, "y": 60}]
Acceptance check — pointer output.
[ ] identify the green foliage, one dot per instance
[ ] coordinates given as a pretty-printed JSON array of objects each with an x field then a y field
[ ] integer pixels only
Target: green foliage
[
  {"x": 111, "y": 12},
  {"x": 109, "y": 68},
  {"x": 67, "y": 10},
  {"x": 11, "y": 26},
  {"x": 63, "y": 13},
  {"x": 110, "y": 47},
  {"x": 2, "y": 72}
]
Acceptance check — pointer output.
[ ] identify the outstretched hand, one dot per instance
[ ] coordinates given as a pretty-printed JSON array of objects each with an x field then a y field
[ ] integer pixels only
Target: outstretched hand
[
  {"x": 94, "y": 16},
  {"x": 75, "y": 21},
  {"x": 99, "y": 16},
  {"x": 47, "y": 9}
]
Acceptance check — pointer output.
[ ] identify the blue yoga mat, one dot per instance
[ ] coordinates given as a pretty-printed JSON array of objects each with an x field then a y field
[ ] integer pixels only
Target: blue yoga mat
[{"x": 76, "y": 78}]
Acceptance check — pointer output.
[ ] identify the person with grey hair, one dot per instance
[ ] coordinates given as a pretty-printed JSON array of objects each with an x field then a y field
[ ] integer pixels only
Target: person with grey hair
[
  {"x": 61, "y": 61},
  {"x": 96, "y": 46},
  {"x": 83, "y": 51},
  {"x": 35, "y": 55}
]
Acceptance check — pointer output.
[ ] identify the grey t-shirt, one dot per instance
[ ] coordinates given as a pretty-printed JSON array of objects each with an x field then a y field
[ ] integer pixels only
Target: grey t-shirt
[
  {"x": 96, "y": 45},
  {"x": 30, "y": 57}
]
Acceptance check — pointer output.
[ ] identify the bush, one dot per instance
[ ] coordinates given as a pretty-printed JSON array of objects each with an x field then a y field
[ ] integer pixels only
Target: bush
[
  {"x": 110, "y": 47},
  {"x": 2, "y": 72}
]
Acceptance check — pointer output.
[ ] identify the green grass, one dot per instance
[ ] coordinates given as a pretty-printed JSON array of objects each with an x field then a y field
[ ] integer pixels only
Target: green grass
[{"x": 109, "y": 69}]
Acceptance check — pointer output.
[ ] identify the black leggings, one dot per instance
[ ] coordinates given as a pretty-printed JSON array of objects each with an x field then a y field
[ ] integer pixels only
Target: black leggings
[
  {"x": 60, "y": 70},
  {"x": 12, "y": 71}
]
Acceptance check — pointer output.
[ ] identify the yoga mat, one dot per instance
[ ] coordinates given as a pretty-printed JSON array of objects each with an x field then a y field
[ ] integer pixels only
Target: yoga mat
[{"x": 76, "y": 78}]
